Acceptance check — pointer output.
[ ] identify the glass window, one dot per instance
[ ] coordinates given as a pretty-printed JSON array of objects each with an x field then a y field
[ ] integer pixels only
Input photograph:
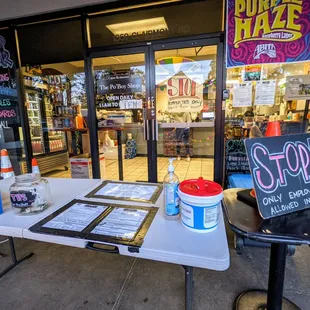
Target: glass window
[
  {"x": 50, "y": 42},
  {"x": 157, "y": 23},
  {"x": 57, "y": 109},
  {"x": 257, "y": 95}
]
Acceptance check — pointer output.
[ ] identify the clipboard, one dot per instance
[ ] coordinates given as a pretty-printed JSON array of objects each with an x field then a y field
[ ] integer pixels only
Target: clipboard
[
  {"x": 113, "y": 196},
  {"x": 106, "y": 211}
]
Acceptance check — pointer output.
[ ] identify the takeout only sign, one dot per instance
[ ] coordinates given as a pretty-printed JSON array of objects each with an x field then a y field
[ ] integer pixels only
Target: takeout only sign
[{"x": 272, "y": 169}]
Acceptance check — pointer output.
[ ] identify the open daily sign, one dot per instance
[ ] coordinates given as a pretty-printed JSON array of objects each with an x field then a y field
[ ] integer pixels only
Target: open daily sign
[{"x": 280, "y": 168}]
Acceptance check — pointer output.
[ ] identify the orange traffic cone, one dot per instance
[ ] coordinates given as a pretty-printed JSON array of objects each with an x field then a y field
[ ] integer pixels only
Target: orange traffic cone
[
  {"x": 35, "y": 166},
  {"x": 6, "y": 166}
]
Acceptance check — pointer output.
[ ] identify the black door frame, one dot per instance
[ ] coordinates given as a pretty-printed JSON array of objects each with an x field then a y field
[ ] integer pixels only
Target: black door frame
[
  {"x": 152, "y": 164},
  {"x": 219, "y": 112},
  {"x": 149, "y": 49}
]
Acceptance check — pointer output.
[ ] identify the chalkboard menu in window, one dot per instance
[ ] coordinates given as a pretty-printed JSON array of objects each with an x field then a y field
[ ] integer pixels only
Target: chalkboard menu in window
[
  {"x": 10, "y": 121},
  {"x": 235, "y": 157},
  {"x": 9, "y": 113}
]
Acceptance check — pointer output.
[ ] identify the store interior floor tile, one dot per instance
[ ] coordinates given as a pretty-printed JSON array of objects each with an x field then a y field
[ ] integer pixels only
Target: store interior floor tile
[
  {"x": 66, "y": 278},
  {"x": 136, "y": 169}
]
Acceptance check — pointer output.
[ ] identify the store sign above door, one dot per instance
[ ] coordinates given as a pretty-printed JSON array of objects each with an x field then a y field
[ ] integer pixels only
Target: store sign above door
[
  {"x": 269, "y": 31},
  {"x": 280, "y": 168},
  {"x": 119, "y": 85}
]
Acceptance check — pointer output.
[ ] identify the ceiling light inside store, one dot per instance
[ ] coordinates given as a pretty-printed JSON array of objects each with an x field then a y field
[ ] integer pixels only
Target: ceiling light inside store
[{"x": 138, "y": 26}]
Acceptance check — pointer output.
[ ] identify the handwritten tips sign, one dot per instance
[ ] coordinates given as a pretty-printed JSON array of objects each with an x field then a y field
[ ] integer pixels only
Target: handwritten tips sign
[
  {"x": 185, "y": 93},
  {"x": 280, "y": 168}
]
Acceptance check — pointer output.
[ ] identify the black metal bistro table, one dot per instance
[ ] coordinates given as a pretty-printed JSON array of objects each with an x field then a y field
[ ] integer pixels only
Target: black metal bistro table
[{"x": 281, "y": 231}]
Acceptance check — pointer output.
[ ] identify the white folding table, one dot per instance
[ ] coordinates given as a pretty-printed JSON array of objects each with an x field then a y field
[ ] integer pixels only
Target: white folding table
[{"x": 165, "y": 241}]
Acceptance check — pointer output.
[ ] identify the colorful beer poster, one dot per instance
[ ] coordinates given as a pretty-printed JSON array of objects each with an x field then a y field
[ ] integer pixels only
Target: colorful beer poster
[{"x": 273, "y": 31}]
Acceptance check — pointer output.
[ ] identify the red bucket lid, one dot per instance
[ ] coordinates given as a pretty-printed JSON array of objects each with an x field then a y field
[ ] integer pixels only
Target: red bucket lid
[{"x": 200, "y": 187}]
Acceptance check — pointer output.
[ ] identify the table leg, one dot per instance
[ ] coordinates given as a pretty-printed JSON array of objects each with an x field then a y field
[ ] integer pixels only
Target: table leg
[
  {"x": 120, "y": 155},
  {"x": 273, "y": 298},
  {"x": 276, "y": 276},
  {"x": 15, "y": 261},
  {"x": 189, "y": 287}
]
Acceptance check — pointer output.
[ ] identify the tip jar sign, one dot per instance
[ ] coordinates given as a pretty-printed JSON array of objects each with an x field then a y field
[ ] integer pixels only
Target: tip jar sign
[{"x": 267, "y": 31}]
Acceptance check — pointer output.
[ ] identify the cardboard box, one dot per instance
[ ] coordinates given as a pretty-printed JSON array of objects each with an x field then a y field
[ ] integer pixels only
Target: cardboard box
[{"x": 81, "y": 167}]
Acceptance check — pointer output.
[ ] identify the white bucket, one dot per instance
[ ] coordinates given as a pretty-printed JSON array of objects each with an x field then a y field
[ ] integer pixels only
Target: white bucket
[{"x": 200, "y": 210}]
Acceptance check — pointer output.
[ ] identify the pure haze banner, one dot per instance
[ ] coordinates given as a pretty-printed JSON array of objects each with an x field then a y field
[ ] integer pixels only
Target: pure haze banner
[{"x": 272, "y": 31}]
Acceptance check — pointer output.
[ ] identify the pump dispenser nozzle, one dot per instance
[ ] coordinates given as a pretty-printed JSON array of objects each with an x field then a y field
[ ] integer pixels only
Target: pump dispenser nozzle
[{"x": 171, "y": 167}]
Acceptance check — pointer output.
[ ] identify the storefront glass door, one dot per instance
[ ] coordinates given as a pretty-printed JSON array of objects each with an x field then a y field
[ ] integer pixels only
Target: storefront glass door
[
  {"x": 185, "y": 92},
  {"x": 158, "y": 102},
  {"x": 120, "y": 84}
]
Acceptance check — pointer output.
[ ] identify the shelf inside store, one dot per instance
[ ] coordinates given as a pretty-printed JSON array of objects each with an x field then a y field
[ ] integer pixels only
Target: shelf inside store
[
  {"x": 31, "y": 101},
  {"x": 36, "y": 138},
  {"x": 61, "y": 104},
  {"x": 69, "y": 129},
  {"x": 56, "y": 137},
  {"x": 63, "y": 116}
]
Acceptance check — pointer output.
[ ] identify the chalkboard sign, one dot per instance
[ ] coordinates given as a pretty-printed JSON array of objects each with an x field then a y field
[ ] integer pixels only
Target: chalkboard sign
[
  {"x": 9, "y": 113},
  {"x": 280, "y": 168},
  {"x": 236, "y": 157}
]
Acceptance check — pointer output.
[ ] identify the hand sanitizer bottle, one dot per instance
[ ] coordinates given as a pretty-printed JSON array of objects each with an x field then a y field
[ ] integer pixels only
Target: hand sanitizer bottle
[{"x": 171, "y": 183}]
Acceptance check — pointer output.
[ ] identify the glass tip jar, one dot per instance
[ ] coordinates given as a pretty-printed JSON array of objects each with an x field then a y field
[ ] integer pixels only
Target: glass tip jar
[{"x": 30, "y": 194}]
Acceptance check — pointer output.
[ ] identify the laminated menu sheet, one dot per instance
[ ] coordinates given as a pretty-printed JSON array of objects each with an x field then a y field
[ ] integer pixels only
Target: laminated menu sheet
[
  {"x": 142, "y": 192},
  {"x": 76, "y": 218},
  {"x": 121, "y": 223},
  {"x": 95, "y": 221}
]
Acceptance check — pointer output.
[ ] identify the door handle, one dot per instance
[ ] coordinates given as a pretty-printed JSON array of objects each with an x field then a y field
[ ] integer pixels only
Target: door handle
[
  {"x": 154, "y": 130},
  {"x": 146, "y": 130},
  {"x": 111, "y": 249}
]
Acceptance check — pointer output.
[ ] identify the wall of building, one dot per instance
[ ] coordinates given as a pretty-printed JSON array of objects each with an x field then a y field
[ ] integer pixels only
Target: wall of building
[{"x": 20, "y": 8}]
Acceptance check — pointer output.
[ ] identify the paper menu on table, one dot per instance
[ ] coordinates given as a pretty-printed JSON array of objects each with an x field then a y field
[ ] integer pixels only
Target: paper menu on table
[
  {"x": 129, "y": 191},
  {"x": 121, "y": 223},
  {"x": 76, "y": 218}
]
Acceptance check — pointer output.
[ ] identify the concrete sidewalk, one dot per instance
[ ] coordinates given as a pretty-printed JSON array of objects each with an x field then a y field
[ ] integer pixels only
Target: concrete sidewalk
[{"x": 59, "y": 277}]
